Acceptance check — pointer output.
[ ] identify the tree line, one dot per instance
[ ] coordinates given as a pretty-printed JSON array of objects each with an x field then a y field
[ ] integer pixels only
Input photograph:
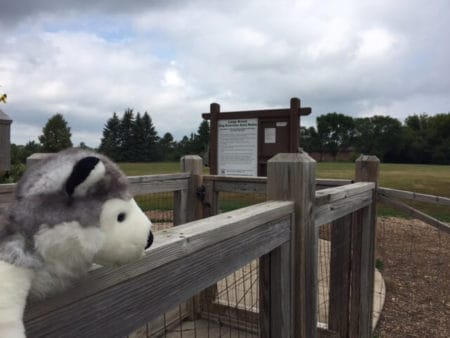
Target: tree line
[
  {"x": 420, "y": 139},
  {"x": 133, "y": 138},
  {"x": 129, "y": 138}
]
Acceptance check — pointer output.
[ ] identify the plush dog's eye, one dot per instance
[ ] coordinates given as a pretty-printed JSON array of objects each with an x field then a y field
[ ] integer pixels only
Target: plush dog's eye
[{"x": 121, "y": 217}]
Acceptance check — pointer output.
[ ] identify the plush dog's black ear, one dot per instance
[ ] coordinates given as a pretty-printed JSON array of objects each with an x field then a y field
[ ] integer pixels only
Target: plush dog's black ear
[{"x": 85, "y": 174}]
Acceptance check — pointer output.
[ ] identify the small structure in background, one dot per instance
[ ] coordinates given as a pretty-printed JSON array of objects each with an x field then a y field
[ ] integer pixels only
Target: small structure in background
[
  {"x": 241, "y": 142},
  {"x": 5, "y": 142}
]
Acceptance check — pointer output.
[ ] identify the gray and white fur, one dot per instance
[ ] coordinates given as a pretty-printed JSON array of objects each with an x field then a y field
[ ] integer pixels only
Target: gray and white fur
[{"x": 69, "y": 211}]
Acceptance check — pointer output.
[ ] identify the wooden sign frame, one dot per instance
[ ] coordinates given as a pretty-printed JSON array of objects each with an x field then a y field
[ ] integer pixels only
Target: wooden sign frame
[{"x": 289, "y": 117}]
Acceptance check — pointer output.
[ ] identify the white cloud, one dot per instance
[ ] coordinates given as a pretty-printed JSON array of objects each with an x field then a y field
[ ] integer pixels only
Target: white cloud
[
  {"x": 375, "y": 43},
  {"x": 172, "y": 79},
  {"x": 174, "y": 60}
]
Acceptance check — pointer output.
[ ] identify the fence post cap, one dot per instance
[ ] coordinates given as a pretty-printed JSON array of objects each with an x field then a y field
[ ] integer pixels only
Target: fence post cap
[
  {"x": 302, "y": 157},
  {"x": 367, "y": 158},
  {"x": 190, "y": 157}
]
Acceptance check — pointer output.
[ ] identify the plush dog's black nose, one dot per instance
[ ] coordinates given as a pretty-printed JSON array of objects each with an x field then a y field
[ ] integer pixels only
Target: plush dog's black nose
[{"x": 149, "y": 240}]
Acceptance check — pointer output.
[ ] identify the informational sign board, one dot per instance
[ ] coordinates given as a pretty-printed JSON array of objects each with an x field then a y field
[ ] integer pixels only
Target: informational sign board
[
  {"x": 237, "y": 147},
  {"x": 270, "y": 135},
  {"x": 241, "y": 142}
]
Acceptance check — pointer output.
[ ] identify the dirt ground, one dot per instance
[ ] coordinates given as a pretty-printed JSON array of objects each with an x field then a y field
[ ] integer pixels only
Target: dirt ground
[{"x": 415, "y": 261}]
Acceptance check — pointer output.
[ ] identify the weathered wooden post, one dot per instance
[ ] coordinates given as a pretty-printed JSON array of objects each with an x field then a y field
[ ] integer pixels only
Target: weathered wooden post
[
  {"x": 187, "y": 208},
  {"x": 340, "y": 272},
  {"x": 367, "y": 169},
  {"x": 213, "y": 138},
  {"x": 292, "y": 177},
  {"x": 5, "y": 142}
]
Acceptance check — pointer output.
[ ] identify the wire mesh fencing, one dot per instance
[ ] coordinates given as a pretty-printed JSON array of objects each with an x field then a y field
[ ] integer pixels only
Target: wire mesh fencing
[
  {"x": 159, "y": 209},
  {"x": 323, "y": 274},
  {"x": 411, "y": 285},
  {"x": 226, "y": 309}
]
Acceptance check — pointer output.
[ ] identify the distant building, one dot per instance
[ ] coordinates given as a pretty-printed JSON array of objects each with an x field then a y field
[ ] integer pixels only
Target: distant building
[{"x": 5, "y": 142}]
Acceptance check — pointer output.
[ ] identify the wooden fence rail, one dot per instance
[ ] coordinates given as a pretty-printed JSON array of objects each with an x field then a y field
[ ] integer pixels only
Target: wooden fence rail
[
  {"x": 191, "y": 257},
  {"x": 414, "y": 196},
  {"x": 183, "y": 261}
]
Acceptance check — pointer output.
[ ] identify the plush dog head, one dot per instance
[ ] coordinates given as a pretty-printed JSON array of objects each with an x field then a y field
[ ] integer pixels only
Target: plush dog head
[{"x": 70, "y": 210}]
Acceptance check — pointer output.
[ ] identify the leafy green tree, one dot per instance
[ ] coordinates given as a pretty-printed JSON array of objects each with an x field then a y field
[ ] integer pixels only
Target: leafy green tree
[
  {"x": 167, "y": 147},
  {"x": 138, "y": 146},
  {"x": 56, "y": 134},
  {"x": 187, "y": 145},
  {"x": 152, "y": 151},
  {"x": 131, "y": 139},
  {"x": 438, "y": 138},
  {"x": 427, "y": 139},
  {"x": 196, "y": 143},
  {"x": 416, "y": 148},
  {"x": 309, "y": 139},
  {"x": 378, "y": 135},
  {"x": 335, "y": 132},
  {"x": 110, "y": 142},
  {"x": 20, "y": 153},
  {"x": 126, "y": 141},
  {"x": 202, "y": 139}
]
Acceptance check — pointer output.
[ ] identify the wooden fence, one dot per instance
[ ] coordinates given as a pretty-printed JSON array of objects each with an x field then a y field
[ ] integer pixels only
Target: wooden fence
[{"x": 189, "y": 258}]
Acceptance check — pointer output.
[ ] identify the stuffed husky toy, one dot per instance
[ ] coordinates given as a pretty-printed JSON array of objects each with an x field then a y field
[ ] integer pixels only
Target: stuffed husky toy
[{"x": 69, "y": 211}]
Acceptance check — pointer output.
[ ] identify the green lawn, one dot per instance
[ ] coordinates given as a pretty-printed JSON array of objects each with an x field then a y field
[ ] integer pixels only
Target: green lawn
[
  {"x": 428, "y": 179},
  {"x": 153, "y": 168}
]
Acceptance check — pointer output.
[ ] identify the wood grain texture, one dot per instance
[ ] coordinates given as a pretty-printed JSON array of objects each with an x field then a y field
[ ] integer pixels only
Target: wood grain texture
[
  {"x": 324, "y": 333},
  {"x": 235, "y": 179},
  {"x": 139, "y": 185},
  {"x": 244, "y": 184},
  {"x": 171, "y": 245},
  {"x": 328, "y": 182},
  {"x": 211, "y": 202},
  {"x": 339, "y": 291},
  {"x": 142, "y": 185},
  {"x": 7, "y": 188},
  {"x": 292, "y": 177},
  {"x": 416, "y": 214},
  {"x": 342, "y": 192},
  {"x": 210, "y": 208},
  {"x": 264, "y": 297},
  {"x": 361, "y": 275},
  {"x": 214, "y": 110},
  {"x": 244, "y": 114},
  {"x": 180, "y": 206},
  {"x": 367, "y": 169},
  {"x": 193, "y": 165},
  {"x": 281, "y": 293},
  {"x": 6, "y": 194},
  {"x": 329, "y": 212},
  {"x": 413, "y": 196},
  {"x": 118, "y": 309},
  {"x": 241, "y": 187}
]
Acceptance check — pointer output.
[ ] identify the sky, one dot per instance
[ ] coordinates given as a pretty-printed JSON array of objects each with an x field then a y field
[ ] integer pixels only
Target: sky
[{"x": 173, "y": 58}]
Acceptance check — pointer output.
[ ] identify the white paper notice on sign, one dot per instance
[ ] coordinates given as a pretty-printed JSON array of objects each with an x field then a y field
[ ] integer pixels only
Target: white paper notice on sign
[
  {"x": 270, "y": 135},
  {"x": 237, "y": 147}
]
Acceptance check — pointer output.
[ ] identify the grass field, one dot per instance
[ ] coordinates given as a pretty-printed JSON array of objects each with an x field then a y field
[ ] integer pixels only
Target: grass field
[{"x": 428, "y": 179}]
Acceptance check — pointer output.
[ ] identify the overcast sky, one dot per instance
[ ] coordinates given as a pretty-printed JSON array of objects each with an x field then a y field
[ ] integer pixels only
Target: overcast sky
[{"x": 173, "y": 58}]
